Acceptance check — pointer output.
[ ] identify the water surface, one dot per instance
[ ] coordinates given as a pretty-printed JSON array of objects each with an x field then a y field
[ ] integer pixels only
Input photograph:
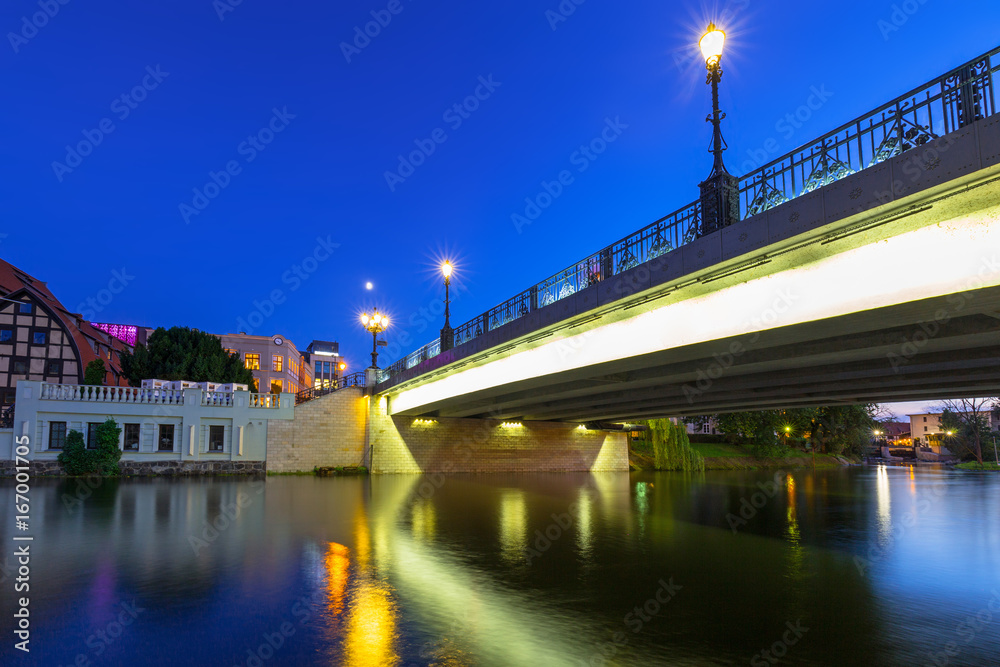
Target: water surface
[{"x": 862, "y": 566}]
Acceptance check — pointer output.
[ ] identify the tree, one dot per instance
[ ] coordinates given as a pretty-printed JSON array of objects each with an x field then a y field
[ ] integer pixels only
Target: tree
[
  {"x": 969, "y": 418},
  {"x": 95, "y": 373},
  {"x": 672, "y": 448},
  {"x": 180, "y": 353},
  {"x": 833, "y": 429}
]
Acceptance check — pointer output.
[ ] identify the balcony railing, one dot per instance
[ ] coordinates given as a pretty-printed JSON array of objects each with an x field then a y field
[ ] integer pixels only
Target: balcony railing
[
  {"x": 353, "y": 380},
  {"x": 263, "y": 400},
  {"x": 90, "y": 393},
  {"x": 135, "y": 395},
  {"x": 950, "y": 102}
]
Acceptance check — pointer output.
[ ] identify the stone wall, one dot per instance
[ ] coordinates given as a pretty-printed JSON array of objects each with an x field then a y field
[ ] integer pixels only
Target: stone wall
[
  {"x": 406, "y": 445},
  {"x": 149, "y": 468},
  {"x": 326, "y": 431}
]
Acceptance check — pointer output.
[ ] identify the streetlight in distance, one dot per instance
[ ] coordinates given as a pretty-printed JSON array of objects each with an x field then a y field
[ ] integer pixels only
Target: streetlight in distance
[
  {"x": 447, "y": 333},
  {"x": 375, "y": 324},
  {"x": 720, "y": 192}
]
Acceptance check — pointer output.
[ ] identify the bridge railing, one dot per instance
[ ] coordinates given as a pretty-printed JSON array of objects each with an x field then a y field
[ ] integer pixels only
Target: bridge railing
[
  {"x": 353, "y": 380},
  {"x": 949, "y": 102}
]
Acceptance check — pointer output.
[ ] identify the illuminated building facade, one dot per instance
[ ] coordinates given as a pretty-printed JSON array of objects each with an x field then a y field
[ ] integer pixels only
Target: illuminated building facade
[
  {"x": 326, "y": 363},
  {"x": 276, "y": 363}
]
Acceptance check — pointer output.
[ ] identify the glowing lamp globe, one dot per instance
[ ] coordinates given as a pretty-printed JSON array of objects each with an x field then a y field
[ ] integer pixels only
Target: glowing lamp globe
[
  {"x": 446, "y": 269},
  {"x": 711, "y": 45}
]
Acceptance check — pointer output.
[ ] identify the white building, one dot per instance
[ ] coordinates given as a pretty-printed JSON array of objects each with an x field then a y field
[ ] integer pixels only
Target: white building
[{"x": 164, "y": 430}]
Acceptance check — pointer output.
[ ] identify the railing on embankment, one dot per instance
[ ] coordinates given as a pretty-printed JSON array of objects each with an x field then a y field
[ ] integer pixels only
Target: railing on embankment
[
  {"x": 353, "y": 380},
  {"x": 945, "y": 104}
]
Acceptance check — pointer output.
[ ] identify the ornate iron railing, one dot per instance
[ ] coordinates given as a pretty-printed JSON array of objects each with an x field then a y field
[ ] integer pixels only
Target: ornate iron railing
[
  {"x": 353, "y": 380},
  {"x": 950, "y": 102}
]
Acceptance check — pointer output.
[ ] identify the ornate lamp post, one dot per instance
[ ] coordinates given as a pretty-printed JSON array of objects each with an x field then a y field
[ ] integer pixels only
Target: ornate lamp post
[
  {"x": 447, "y": 333},
  {"x": 720, "y": 192},
  {"x": 376, "y": 324}
]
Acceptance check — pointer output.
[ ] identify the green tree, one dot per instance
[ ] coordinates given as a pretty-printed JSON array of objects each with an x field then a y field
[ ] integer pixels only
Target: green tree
[
  {"x": 756, "y": 430},
  {"x": 180, "y": 353},
  {"x": 672, "y": 448},
  {"x": 95, "y": 373}
]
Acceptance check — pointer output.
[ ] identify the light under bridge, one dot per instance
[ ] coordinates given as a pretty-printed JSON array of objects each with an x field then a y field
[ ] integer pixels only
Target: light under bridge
[{"x": 866, "y": 268}]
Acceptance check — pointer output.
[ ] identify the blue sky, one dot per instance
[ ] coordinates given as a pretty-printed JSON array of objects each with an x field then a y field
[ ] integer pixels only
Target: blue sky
[{"x": 248, "y": 146}]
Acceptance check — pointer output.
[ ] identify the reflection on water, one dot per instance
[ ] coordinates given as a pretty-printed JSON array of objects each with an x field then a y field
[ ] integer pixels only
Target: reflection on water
[{"x": 515, "y": 569}]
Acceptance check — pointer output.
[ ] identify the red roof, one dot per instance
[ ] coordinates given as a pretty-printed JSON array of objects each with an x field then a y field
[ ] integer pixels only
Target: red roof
[{"x": 14, "y": 281}]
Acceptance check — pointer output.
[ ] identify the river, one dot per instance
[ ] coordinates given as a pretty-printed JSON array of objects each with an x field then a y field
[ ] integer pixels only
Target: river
[{"x": 855, "y": 566}]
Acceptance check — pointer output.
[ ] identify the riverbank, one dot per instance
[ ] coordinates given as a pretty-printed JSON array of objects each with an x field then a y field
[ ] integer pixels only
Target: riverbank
[
  {"x": 724, "y": 456},
  {"x": 987, "y": 466}
]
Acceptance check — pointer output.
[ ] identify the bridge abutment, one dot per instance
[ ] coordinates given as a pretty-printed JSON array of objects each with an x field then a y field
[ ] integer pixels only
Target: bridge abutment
[{"x": 400, "y": 444}]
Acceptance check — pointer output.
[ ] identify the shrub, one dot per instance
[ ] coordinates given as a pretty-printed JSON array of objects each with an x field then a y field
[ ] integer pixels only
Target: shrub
[{"x": 76, "y": 459}]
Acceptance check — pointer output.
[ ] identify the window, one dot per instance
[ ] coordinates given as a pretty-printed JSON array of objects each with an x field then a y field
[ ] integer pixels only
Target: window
[
  {"x": 57, "y": 435},
  {"x": 326, "y": 367},
  {"x": 275, "y": 386},
  {"x": 317, "y": 383},
  {"x": 277, "y": 362},
  {"x": 92, "y": 435},
  {"x": 925, "y": 429},
  {"x": 166, "y": 438},
  {"x": 53, "y": 368},
  {"x": 25, "y": 308},
  {"x": 253, "y": 361},
  {"x": 131, "y": 437},
  {"x": 38, "y": 337},
  {"x": 216, "y": 434},
  {"x": 6, "y": 335},
  {"x": 20, "y": 367},
  {"x": 925, "y": 418},
  {"x": 319, "y": 367}
]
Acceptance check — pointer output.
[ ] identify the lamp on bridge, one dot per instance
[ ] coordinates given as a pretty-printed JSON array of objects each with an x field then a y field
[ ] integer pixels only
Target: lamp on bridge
[
  {"x": 376, "y": 324},
  {"x": 720, "y": 192},
  {"x": 447, "y": 333}
]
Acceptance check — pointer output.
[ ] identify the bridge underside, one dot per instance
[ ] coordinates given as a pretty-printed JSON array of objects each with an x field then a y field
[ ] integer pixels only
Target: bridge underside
[{"x": 931, "y": 349}]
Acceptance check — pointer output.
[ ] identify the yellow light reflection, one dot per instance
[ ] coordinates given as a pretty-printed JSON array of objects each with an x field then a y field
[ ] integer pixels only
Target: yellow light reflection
[
  {"x": 362, "y": 538},
  {"x": 513, "y": 525},
  {"x": 424, "y": 520},
  {"x": 585, "y": 529},
  {"x": 371, "y": 628},
  {"x": 337, "y": 565}
]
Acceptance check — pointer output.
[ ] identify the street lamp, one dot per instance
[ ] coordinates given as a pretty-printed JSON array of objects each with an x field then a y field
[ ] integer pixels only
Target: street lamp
[
  {"x": 447, "y": 333},
  {"x": 376, "y": 324},
  {"x": 720, "y": 192}
]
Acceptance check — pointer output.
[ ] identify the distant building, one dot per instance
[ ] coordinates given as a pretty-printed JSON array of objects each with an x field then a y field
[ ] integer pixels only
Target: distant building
[
  {"x": 896, "y": 434},
  {"x": 706, "y": 427},
  {"x": 41, "y": 340},
  {"x": 276, "y": 363},
  {"x": 925, "y": 429},
  {"x": 327, "y": 364}
]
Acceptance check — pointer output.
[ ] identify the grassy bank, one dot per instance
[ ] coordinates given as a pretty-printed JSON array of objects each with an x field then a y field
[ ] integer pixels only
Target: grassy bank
[
  {"x": 724, "y": 456},
  {"x": 972, "y": 465}
]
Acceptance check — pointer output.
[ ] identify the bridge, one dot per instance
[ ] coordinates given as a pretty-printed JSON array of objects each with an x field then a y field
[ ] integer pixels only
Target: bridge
[{"x": 863, "y": 266}]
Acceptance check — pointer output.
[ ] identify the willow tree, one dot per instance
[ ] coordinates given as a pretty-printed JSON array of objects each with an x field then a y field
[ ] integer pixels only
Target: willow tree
[{"x": 672, "y": 448}]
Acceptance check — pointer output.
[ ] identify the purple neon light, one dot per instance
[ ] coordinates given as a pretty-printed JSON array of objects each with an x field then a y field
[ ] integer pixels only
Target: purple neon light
[{"x": 126, "y": 333}]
